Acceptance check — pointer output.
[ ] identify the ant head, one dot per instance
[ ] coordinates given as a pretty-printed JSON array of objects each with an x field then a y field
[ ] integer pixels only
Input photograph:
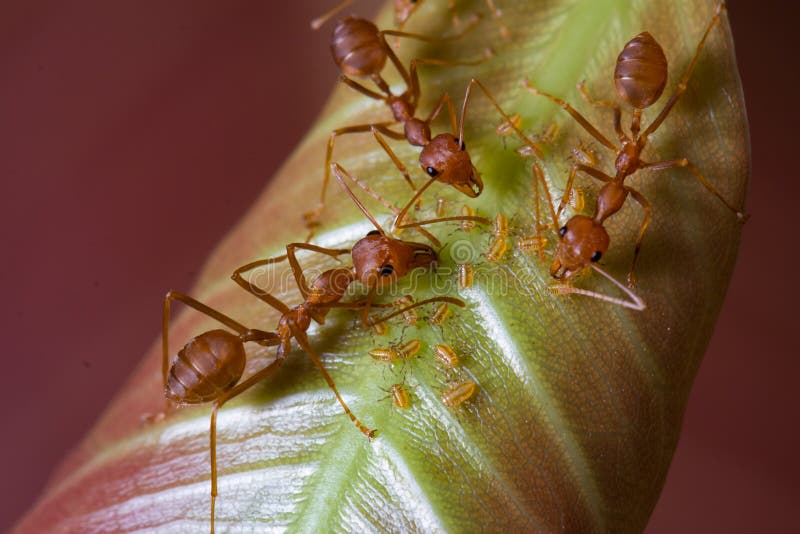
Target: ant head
[
  {"x": 357, "y": 47},
  {"x": 379, "y": 259},
  {"x": 641, "y": 71},
  {"x": 447, "y": 160},
  {"x": 583, "y": 241},
  {"x": 403, "y": 9}
]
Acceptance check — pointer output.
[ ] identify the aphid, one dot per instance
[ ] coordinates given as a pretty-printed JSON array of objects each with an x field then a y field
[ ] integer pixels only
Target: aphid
[
  {"x": 404, "y": 8},
  {"x": 465, "y": 275},
  {"x": 360, "y": 49},
  {"x": 400, "y": 352},
  {"x": 441, "y": 313},
  {"x": 399, "y": 395},
  {"x": 534, "y": 242},
  {"x": 457, "y": 394},
  {"x": 446, "y": 355},
  {"x": 409, "y": 316},
  {"x": 380, "y": 329},
  {"x": 441, "y": 206},
  {"x": 467, "y": 224},
  {"x": 210, "y": 366},
  {"x": 507, "y": 127},
  {"x": 640, "y": 76},
  {"x": 498, "y": 245}
]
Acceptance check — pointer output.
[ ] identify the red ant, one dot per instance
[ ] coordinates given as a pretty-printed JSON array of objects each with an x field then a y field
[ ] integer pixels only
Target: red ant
[
  {"x": 640, "y": 76},
  {"x": 360, "y": 49},
  {"x": 210, "y": 366}
]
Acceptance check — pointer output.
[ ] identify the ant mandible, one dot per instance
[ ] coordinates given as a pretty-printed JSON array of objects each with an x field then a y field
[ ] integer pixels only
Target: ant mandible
[
  {"x": 640, "y": 77},
  {"x": 360, "y": 49},
  {"x": 209, "y": 366}
]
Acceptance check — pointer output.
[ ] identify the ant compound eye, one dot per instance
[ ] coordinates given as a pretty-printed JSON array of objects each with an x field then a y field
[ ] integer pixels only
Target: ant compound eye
[
  {"x": 387, "y": 270},
  {"x": 432, "y": 172},
  {"x": 562, "y": 231},
  {"x": 596, "y": 256},
  {"x": 373, "y": 232},
  {"x": 462, "y": 146}
]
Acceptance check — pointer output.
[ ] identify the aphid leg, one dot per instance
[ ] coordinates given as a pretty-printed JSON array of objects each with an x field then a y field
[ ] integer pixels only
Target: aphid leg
[
  {"x": 635, "y": 302},
  {"x": 638, "y": 197},
  {"x": 386, "y": 317},
  {"x": 683, "y": 162},
  {"x": 575, "y": 115},
  {"x": 341, "y": 174},
  {"x": 534, "y": 146},
  {"x": 302, "y": 340},
  {"x": 686, "y": 75},
  {"x": 608, "y": 104},
  {"x": 311, "y": 217}
]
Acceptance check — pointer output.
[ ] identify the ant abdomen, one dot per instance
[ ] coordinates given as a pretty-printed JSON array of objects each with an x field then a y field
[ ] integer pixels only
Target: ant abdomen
[
  {"x": 641, "y": 71},
  {"x": 208, "y": 366},
  {"x": 358, "y": 47}
]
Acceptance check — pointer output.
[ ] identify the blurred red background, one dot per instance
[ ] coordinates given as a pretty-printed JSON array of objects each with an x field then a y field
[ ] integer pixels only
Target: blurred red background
[{"x": 134, "y": 134}]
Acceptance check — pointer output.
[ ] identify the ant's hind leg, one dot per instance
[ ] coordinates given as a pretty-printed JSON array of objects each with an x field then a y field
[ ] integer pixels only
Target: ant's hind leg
[
  {"x": 572, "y": 111},
  {"x": 661, "y": 165},
  {"x": 638, "y": 197}
]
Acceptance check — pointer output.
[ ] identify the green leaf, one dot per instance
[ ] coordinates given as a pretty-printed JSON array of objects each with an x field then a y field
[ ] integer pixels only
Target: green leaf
[{"x": 580, "y": 402}]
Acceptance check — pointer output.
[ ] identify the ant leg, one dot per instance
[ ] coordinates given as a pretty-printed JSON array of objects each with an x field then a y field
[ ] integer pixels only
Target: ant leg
[
  {"x": 458, "y": 302},
  {"x": 415, "y": 87},
  {"x": 302, "y": 340},
  {"x": 608, "y": 104},
  {"x": 445, "y": 99},
  {"x": 360, "y": 128},
  {"x": 361, "y": 89},
  {"x": 386, "y": 148},
  {"x": 340, "y": 172},
  {"x": 322, "y": 19},
  {"x": 253, "y": 289},
  {"x": 297, "y": 270},
  {"x": 661, "y": 165},
  {"x": 591, "y": 171},
  {"x": 228, "y": 395},
  {"x": 575, "y": 115},
  {"x": 635, "y": 302},
  {"x": 638, "y": 197},
  {"x": 535, "y": 147},
  {"x": 538, "y": 178},
  {"x": 417, "y": 224},
  {"x": 400, "y": 217},
  {"x": 686, "y": 75}
]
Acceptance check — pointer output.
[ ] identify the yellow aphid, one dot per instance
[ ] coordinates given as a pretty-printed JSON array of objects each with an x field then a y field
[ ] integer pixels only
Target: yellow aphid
[
  {"x": 441, "y": 205},
  {"x": 394, "y": 353},
  {"x": 532, "y": 242},
  {"x": 380, "y": 329},
  {"x": 466, "y": 211},
  {"x": 506, "y": 128},
  {"x": 458, "y": 393},
  {"x": 465, "y": 275},
  {"x": 409, "y": 316},
  {"x": 399, "y": 396},
  {"x": 446, "y": 355},
  {"x": 440, "y": 314},
  {"x": 577, "y": 199},
  {"x": 500, "y": 227}
]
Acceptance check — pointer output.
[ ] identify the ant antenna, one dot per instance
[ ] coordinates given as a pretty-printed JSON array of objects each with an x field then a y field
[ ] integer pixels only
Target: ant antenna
[
  {"x": 338, "y": 171},
  {"x": 635, "y": 302},
  {"x": 322, "y": 19}
]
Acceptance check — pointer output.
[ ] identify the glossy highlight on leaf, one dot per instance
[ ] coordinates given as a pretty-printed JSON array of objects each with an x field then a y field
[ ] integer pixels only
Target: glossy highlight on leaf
[{"x": 578, "y": 404}]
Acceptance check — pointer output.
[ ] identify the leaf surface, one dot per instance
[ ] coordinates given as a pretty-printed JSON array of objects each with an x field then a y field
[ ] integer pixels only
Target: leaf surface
[{"x": 580, "y": 402}]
